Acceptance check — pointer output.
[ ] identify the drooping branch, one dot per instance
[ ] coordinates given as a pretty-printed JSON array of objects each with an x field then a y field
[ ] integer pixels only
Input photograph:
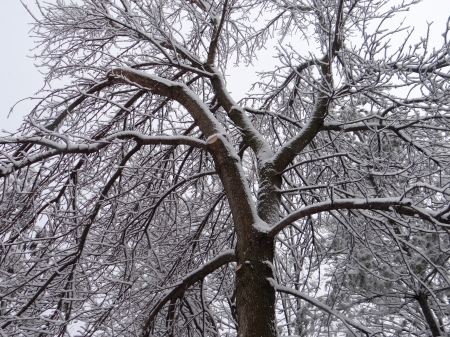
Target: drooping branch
[
  {"x": 68, "y": 147},
  {"x": 168, "y": 192},
  {"x": 159, "y": 218},
  {"x": 95, "y": 88},
  {"x": 58, "y": 120},
  {"x": 422, "y": 298},
  {"x": 347, "y": 321},
  {"x": 75, "y": 257},
  {"x": 418, "y": 147},
  {"x": 186, "y": 282},
  {"x": 383, "y": 204},
  {"x": 226, "y": 159}
]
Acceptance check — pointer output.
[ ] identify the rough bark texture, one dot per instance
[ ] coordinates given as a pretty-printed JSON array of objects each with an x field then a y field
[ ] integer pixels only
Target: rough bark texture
[
  {"x": 255, "y": 253},
  {"x": 269, "y": 194},
  {"x": 255, "y": 296}
]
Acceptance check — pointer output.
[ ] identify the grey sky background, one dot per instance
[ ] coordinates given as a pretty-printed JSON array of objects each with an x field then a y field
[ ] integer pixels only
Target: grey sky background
[{"x": 21, "y": 79}]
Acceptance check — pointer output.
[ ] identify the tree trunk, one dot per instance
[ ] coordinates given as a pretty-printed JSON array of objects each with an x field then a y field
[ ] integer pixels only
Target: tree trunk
[
  {"x": 255, "y": 297},
  {"x": 426, "y": 310},
  {"x": 254, "y": 294}
]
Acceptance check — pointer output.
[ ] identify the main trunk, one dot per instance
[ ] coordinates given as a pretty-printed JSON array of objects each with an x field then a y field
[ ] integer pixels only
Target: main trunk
[
  {"x": 255, "y": 297},
  {"x": 255, "y": 252}
]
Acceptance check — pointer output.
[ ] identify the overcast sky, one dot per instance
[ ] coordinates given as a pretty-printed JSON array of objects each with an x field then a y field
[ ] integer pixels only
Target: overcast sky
[{"x": 20, "y": 78}]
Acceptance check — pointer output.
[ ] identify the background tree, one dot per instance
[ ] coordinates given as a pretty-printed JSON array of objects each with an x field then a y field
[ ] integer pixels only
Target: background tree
[{"x": 142, "y": 200}]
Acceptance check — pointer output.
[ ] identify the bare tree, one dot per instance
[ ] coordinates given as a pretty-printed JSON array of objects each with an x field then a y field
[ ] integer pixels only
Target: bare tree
[{"x": 142, "y": 200}]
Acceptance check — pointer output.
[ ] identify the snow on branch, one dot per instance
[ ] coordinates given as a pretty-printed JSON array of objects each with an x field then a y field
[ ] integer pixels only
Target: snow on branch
[
  {"x": 295, "y": 145},
  {"x": 251, "y": 135},
  {"x": 347, "y": 321},
  {"x": 187, "y": 281},
  {"x": 69, "y": 147},
  {"x": 174, "y": 90},
  {"x": 95, "y": 88},
  {"x": 383, "y": 204}
]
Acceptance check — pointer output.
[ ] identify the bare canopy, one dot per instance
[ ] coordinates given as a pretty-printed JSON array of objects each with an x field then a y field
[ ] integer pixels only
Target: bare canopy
[{"x": 141, "y": 199}]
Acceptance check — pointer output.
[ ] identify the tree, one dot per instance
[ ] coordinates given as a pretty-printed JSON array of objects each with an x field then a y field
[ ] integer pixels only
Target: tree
[{"x": 141, "y": 200}]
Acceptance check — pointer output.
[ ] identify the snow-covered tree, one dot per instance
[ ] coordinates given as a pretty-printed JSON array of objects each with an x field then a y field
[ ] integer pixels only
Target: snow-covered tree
[{"x": 140, "y": 199}]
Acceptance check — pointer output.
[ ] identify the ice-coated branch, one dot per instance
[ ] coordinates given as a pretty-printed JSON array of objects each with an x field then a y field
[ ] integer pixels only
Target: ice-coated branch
[
  {"x": 69, "y": 147},
  {"x": 252, "y": 137},
  {"x": 82, "y": 239},
  {"x": 95, "y": 88},
  {"x": 382, "y": 204},
  {"x": 347, "y": 170},
  {"x": 347, "y": 321},
  {"x": 225, "y": 157},
  {"x": 294, "y": 146},
  {"x": 187, "y": 281},
  {"x": 174, "y": 90}
]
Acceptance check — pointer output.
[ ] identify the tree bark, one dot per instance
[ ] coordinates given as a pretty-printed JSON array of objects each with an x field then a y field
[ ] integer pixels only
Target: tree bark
[{"x": 255, "y": 296}]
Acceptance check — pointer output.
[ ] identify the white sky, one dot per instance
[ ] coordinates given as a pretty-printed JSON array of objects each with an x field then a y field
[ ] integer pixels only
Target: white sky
[{"x": 20, "y": 79}]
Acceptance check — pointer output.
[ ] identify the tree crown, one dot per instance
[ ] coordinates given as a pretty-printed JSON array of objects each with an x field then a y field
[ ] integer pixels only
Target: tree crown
[{"x": 141, "y": 199}]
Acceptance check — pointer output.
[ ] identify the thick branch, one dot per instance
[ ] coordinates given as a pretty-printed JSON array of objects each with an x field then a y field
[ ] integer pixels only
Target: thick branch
[
  {"x": 174, "y": 90},
  {"x": 294, "y": 146},
  {"x": 214, "y": 42},
  {"x": 252, "y": 137},
  {"x": 227, "y": 162},
  {"x": 382, "y": 204},
  {"x": 429, "y": 316}
]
